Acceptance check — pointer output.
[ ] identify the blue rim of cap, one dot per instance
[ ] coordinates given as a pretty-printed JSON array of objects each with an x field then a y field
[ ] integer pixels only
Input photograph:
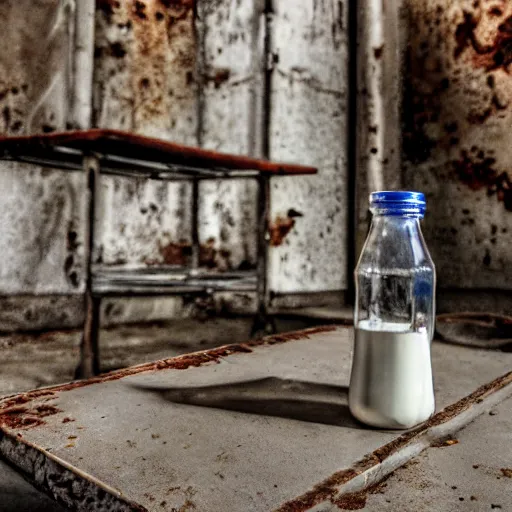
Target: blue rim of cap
[{"x": 398, "y": 202}]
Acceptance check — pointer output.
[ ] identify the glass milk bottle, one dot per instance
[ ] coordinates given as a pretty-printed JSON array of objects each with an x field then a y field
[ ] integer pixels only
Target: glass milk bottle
[{"x": 391, "y": 381}]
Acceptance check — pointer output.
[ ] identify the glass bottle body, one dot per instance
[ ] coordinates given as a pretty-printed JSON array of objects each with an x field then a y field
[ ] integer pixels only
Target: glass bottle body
[{"x": 391, "y": 381}]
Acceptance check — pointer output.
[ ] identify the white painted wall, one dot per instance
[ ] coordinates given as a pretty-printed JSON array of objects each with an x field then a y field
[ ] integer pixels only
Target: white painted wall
[
  {"x": 308, "y": 123},
  {"x": 251, "y": 77},
  {"x": 199, "y": 78}
]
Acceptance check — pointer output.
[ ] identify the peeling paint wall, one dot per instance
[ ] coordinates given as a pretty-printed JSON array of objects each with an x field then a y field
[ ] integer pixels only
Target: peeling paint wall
[
  {"x": 223, "y": 87},
  {"x": 452, "y": 62},
  {"x": 308, "y": 123},
  {"x": 42, "y": 210},
  {"x": 232, "y": 67},
  {"x": 265, "y": 79},
  {"x": 145, "y": 81},
  {"x": 457, "y": 118},
  {"x": 200, "y": 73}
]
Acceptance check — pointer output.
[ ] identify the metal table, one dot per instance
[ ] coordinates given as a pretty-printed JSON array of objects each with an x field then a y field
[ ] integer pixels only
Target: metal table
[
  {"x": 96, "y": 152},
  {"x": 255, "y": 427}
]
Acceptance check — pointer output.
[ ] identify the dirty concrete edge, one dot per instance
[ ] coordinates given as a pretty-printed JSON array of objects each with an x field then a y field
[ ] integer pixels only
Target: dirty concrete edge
[
  {"x": 374, "y": 467},
  {"x": 61, "y": 481}
]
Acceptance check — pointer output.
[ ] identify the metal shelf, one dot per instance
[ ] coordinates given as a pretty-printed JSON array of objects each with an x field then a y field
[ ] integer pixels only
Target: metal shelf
[
  {"x": 169, "y": 281},
  {"x": 128, "y": 154},
  {"x": 112, "y": 152}
]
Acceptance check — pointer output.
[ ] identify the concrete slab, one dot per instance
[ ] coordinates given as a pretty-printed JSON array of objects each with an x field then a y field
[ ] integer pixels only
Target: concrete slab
[
  {"x": 471, "y": 475},
  {"x": 251, "y": 427}
]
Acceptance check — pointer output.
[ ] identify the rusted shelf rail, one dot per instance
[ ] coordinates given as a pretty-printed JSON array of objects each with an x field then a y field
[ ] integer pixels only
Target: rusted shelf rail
[{"x": 113, "y": 152}]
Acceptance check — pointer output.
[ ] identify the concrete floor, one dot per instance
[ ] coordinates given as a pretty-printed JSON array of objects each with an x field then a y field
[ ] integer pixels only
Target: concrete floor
[
  {"x": 29, "y": 361},
  {"x": 459, "y": 477}
]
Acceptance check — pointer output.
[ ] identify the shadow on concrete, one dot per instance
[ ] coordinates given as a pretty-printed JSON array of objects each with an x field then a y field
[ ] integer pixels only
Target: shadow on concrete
[
  {"x": 271, "y": 396},
  {"x": 17, "y": 495}
]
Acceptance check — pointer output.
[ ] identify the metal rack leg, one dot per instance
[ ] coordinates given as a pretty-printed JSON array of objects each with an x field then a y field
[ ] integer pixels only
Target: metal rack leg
[
  {"x": 195, "y": 224},
  {"x": 89, "y": 350},
  {"x": 90, "y": 361},
  {"x": 263, "y": 323}
]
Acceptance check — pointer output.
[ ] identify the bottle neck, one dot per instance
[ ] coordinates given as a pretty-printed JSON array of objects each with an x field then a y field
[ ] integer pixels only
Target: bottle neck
[{"x": 392, "y": 224}]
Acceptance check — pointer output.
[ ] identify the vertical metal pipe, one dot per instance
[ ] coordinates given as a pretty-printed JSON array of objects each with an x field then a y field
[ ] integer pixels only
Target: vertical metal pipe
[
  {"x": 263, "y": 324},
  {"x": 83, "y": 64},
  {"x": 381, "y": 40},
  {"x": 81, "y": 118},
  {"x": 195, "y": 224}
]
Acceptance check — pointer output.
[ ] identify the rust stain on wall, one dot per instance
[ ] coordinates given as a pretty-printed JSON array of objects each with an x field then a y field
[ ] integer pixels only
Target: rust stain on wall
[
  {"x": 166, "y": 57},
  {"x": 208, "y": 254},
  {"x": 153, "y": 48},
  {"x": 456, "y": 118},
  {"x": 430, "y": 79},
  {"x": 217, "y": 76},
  {"x": 476, "y": 170},
  {"x": 214, "y": 258},
  {"x": 495, "y": 55},
  {"x": 175, "y": 253},
  {"x": 281, "y": 227},
  {"x": 179, "y": 253}
]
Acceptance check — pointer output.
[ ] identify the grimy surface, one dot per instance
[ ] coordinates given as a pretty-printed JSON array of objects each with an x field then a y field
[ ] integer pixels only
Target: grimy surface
[
  {"x": 471, "y": 473},
  {"x": 255, "y": 427}
]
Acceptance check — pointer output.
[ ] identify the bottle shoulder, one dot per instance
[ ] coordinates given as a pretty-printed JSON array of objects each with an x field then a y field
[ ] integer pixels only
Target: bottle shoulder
[{"x": 399, "y": 251}]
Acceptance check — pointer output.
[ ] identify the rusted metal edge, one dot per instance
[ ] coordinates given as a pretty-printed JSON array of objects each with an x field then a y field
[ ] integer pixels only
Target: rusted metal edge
[
  {"x": 63, "y": 482},
  {"x": 366, "y": 473},
  {"x": 14, "y": 407},
  {"x": 121, "y": 143}
]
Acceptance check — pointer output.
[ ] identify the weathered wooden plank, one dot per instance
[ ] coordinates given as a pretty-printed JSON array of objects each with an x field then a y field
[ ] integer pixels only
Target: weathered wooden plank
[
  {"x": 457, "y": 116},
  {"x": 231, "y": 115},
  {"x": 41, "y": 233},
  {"x": 308, "y": 125}
]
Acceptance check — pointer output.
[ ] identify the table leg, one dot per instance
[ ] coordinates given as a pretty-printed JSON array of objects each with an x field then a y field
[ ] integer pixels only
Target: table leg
[
  {"x": 263, "y": 323},
  {"x": 89, "y": 350}
]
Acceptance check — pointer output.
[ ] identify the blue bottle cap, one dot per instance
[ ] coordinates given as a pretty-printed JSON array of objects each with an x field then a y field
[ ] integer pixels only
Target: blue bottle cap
[{"x": 398, "y": 202}]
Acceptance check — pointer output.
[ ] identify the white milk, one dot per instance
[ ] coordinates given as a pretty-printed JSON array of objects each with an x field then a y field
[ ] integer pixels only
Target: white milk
[{"x": 391, "y": 382}]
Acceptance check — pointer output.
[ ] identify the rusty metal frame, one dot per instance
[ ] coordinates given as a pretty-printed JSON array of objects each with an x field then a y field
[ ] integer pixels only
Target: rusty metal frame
[
  {"x": 263, "y": 322},
  {"x": 89, "y": 349},
  {"x": 96, "y": 152},
  {"x": 117, "y": 143}
]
